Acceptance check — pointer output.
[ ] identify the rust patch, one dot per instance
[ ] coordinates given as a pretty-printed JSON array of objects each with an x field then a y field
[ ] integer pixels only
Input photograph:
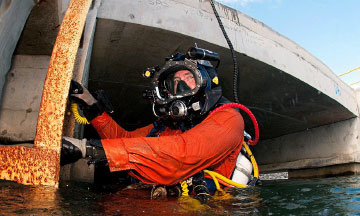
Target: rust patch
[
  {"x": 29, "y": 166},
  {"x": 41, "y": 164}
]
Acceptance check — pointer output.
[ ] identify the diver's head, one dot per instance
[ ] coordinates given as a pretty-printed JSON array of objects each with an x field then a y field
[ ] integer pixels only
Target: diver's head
[{"x": 183, "y": 88}]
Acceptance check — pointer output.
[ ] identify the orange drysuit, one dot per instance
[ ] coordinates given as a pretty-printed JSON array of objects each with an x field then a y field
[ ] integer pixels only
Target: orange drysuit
[{"x": 174, "y": 156}]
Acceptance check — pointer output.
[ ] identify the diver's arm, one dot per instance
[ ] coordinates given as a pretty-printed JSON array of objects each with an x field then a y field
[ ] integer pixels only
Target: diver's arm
[
  {"x": 227, "y": 166},
  {"x": 94, "y": 110},
  {"x": 169, "y": 159},
  {"x": 107, "y": 128}
]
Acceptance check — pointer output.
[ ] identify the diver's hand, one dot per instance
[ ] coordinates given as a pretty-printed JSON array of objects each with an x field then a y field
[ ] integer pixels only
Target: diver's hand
[
  {"x": 86, "y": 96},
  {"x": 81, "y": 94},
  {"x": 72, "y": 150},
  {"x": 92, "y": 105}
]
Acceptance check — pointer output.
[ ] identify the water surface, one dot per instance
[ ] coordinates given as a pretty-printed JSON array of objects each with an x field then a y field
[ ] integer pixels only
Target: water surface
[{"x": 322, "y": 196}]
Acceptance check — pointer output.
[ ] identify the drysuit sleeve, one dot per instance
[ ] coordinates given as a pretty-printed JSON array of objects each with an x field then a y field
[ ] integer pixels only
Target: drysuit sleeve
[
  {"x": 167, "y": 160},
  {"x": 107, "y": 128}
]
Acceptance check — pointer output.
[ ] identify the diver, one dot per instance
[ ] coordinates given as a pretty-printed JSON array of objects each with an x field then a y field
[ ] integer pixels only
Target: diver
[{"x": 182, "y": 142}]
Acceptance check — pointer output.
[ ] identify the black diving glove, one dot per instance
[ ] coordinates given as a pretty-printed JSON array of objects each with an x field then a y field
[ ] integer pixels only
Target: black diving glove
[
  {"x": 73, "y": 149},
  {"x": 80, "y": 94},
  {"x": 91, "y": 105}
]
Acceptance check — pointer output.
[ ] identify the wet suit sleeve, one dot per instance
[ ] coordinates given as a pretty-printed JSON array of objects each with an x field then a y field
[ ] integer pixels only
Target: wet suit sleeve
[
  {"x": 169, "y": 159},
  {"x": 107, "y": 128}
]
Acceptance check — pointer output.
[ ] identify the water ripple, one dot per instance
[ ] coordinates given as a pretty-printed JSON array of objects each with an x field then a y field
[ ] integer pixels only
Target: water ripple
[{"x": 323, "y": 196}]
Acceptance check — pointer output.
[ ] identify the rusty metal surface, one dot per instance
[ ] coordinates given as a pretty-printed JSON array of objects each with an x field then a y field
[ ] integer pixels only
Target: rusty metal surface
[
  {"x": 30, "y": 166},
  {"x": 57, "y": 82},
  {"x": 41, "y": 164}
]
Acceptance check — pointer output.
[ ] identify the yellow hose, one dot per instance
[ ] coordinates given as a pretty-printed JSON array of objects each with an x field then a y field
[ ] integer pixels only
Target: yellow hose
[
  {"x": 77, "y": 116},
  {"x": 184, "y": 188},
  {"x": 215, "y": 175},
  {"x": 211, "y": 173},
  {"x": 253, "y": 161}
]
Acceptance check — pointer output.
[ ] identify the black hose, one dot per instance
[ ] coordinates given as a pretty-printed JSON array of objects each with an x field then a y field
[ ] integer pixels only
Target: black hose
[{"x": 236, "y": 71}]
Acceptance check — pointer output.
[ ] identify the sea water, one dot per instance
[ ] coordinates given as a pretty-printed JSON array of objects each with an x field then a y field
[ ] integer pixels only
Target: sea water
[{"x": 321, "y": 196}]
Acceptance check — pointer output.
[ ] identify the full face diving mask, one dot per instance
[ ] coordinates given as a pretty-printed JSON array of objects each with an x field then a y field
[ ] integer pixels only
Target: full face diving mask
[{"x": 176, "y": 86}]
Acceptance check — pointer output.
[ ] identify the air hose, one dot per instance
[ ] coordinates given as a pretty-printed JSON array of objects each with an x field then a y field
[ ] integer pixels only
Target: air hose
[
  {"x": 216, "y": 176},
  {"x": 253, "y": 161},
  {"x": 236, "y": 75},
  {"x": 251, "y": 115},
  {"x": 80, "y": 119},
  {"x": 236, "y": 71},
  {"x": 228, "y": 182}
]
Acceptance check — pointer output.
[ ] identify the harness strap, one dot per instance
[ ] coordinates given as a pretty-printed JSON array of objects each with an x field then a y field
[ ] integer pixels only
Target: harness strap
[{"x": 157, "y": 130}]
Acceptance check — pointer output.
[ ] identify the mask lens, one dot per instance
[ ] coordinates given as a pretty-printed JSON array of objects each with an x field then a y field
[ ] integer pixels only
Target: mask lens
[{"x": 180, "y": 82}]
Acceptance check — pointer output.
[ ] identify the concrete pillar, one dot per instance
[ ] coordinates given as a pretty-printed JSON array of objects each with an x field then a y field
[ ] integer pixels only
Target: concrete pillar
[
  {"x": 22, "y": 96},
  {"x": 24, "y": 84},
  {"x": 327, "y": 150},
  {"x": 327, "y": 145},
  {"x": 13, "y": 15}
]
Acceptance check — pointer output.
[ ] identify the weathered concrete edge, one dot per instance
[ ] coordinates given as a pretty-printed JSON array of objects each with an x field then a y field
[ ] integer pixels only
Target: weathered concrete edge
[
  {"x": 310, "y": 163},
  {"x": 84, "y": 54},
  {"x": 249, "y": 36},
  {"x": 327, "y": 145},
  {"x": 27, "y": 61},
  {"x": 11, "y": 33},
  {"x": 328, "y": 171}
]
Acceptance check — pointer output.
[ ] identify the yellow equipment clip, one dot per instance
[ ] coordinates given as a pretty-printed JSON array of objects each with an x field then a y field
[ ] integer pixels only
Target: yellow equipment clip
[
  {"x": 216, "y": 80},
  {"x": 147, "y": 73}
]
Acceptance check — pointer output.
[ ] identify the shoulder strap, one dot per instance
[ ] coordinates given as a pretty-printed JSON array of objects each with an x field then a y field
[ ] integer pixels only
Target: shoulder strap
[{"x": 157, "y": 130}]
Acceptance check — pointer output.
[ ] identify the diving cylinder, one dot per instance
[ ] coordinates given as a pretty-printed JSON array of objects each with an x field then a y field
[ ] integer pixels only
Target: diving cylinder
[{"x": 242, "y": 171}]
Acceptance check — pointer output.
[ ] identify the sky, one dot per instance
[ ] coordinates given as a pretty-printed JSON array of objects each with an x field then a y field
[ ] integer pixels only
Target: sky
[{"x": 328, "y": 29}]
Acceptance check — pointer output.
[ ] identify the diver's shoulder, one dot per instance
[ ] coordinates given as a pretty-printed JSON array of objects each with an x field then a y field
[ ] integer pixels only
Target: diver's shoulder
[{"x": 225, "y": 114}]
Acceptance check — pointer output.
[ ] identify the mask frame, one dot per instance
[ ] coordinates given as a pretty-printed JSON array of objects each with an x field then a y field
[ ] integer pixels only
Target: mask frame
[
  {"x": 163, "y": 95},
  {"x": 190, "y": 104}
]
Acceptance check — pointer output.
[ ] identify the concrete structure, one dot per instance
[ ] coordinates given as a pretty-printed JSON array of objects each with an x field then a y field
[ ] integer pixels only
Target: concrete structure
[
  {"x": 79, "y": 171},
  {"x": 10, "y": 31},
  {"x": 22, "y": 96},
  {"x": 288, "y": 89},
  {"x": 307, "y": 115}
]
